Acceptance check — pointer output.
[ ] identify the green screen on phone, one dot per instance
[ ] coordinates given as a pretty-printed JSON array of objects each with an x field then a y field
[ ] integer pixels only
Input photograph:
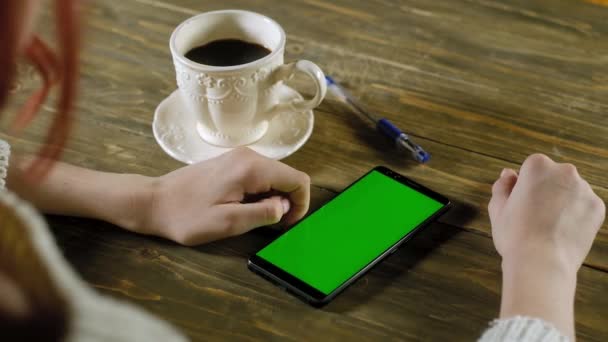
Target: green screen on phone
[{"x": 338, "y": 240}]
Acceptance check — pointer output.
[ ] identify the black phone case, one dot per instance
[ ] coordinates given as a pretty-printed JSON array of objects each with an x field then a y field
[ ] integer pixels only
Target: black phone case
[{"x": 256, "y": 264}]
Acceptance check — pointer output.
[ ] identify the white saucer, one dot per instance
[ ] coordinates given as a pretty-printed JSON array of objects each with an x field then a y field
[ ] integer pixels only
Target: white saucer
[{"x": 175, "y": 131}]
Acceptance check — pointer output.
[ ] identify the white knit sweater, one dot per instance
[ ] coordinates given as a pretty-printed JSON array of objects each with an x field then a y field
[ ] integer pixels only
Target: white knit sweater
[
  {"x": 522, "y": 329},
  {"x": 129, "y": 323},
  {"x": 93, "y": 317}
]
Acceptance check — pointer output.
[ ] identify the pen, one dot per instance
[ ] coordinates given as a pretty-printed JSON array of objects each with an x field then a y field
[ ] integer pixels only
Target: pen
[{"x": 401, "y": 139}]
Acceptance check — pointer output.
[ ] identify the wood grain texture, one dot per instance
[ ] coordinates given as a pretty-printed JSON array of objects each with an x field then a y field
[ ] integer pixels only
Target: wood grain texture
[
  {"x": 598, "y": 2},
  {"x": 433, "y": 290},
  {"x": 481, "y": 84}
]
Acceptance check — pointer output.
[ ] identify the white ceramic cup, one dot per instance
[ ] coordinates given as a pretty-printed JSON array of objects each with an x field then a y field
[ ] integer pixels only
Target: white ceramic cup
[{"x": 234, "y": 104}]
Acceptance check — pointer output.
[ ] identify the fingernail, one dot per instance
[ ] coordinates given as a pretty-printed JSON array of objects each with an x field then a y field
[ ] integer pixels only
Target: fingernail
[
  {"x": 286, "y": 205},
  {"x": 503, "y": 172}
]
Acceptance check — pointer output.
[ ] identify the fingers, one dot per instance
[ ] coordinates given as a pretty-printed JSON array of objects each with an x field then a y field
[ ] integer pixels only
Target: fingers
[
  {"x": 233, "y": 219},
  {"x": 538, "y": 167},
  {"x": 240, "y": 218},
  {"x": 264, "y": 174},
  {"x": 294, "y": 183},
  {"x": 501, "y": 190},
  {"x": 535, "y": 164}
]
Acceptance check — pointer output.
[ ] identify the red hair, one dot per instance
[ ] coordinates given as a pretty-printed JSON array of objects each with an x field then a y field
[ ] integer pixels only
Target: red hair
[{"x": 60, "y": 69}]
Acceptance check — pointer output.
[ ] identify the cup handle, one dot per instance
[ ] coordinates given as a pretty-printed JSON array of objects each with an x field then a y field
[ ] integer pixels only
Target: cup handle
[{"x": 287, "y": 71}]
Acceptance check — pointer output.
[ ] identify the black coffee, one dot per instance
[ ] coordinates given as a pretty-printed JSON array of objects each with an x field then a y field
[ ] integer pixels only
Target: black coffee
[{"x": 227, "y": 52}]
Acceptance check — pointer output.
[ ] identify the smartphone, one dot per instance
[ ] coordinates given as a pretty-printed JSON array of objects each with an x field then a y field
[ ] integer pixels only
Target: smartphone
[{"x": 330, "y": 249}]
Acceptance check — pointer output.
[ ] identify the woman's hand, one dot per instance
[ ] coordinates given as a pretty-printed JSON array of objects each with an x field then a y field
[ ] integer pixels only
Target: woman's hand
[
  {"x": 547, "y": 209},
  {"x": 544, "y": 221},
  {"x": 214, "y": 199},
  {"x": 218, "y": 198}
]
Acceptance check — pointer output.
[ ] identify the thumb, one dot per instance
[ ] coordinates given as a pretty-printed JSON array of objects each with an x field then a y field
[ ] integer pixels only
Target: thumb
[
  {"x": 501, "y": 190},
  {"x": 246, "y": 216}
]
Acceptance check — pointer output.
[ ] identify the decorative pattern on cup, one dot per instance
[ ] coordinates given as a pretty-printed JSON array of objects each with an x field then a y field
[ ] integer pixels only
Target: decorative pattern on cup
[
  {"x": 241, "y": 87},
  {"x": 244, "y": 137}
]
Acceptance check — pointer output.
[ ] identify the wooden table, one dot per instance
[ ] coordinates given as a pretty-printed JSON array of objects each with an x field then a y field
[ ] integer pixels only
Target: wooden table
[{"x": 480, "y": 83}]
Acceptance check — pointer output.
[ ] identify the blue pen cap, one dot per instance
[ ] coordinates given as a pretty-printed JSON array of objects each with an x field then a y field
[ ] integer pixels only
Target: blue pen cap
[{"x": 421, "y": 155}]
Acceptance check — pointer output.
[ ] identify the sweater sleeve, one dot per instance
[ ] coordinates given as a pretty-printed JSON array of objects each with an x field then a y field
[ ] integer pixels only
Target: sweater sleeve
[
  {"x": 522, "y": 329},
  {"x": 5, "y": 151}
]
